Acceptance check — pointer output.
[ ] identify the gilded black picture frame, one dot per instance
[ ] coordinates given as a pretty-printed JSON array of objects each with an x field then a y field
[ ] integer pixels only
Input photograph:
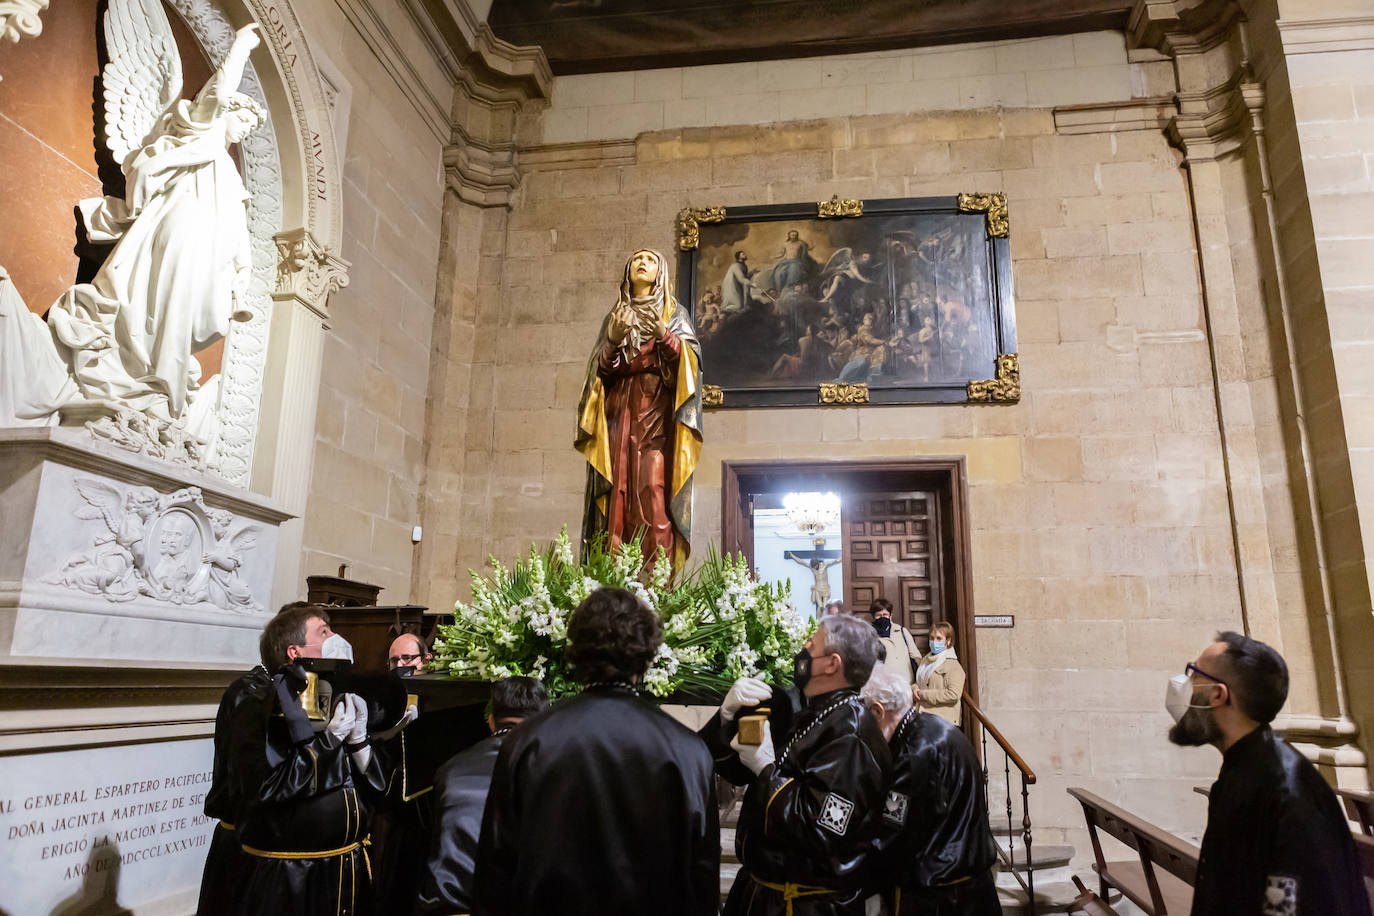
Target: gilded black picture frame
[{"x": 843, "y": 302}]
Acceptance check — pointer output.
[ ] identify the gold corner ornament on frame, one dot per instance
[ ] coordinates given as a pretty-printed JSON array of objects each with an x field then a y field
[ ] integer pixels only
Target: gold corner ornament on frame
[
  {"x": 689, "y": 220},
  {"x": 841, "y": 393},
  {"x": 835, "y": 207},
  {"x": 712, "y": 396},
  {"x": 1005, "y": 388},
  {"x": 994, "y": 205}
]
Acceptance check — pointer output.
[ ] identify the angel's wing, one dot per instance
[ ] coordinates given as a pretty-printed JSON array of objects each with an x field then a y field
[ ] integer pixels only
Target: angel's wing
[
  {"x": 103, "y": 499},
  {"x": 142, "y": 78},
  {"x": 244, "y": 540},
  {"x": 838, "y": 261}
]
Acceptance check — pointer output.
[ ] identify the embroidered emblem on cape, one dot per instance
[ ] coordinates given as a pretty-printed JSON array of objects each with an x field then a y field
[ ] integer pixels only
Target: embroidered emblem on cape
[
  {"x": 894, "y": 809},
  {"x": 1280, "y": 896},
  {"x": 835, "y": 813}
]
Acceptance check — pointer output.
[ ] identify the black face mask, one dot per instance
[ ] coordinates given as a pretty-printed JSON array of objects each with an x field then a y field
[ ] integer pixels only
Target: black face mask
[
  {"x": 884, "y": 626},
  {"x": 404, "y": 670},
  {"x": 801, "y": 668}
]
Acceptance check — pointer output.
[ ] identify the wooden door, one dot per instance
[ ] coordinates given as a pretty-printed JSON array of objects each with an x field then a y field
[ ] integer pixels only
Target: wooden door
[{"x": 892, "y": 551}]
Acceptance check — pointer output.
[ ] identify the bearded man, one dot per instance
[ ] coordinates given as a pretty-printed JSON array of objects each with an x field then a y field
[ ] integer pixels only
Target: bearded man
[
  {"x": 1277, "y": 841},
  {"x": 639, "y": 419}
]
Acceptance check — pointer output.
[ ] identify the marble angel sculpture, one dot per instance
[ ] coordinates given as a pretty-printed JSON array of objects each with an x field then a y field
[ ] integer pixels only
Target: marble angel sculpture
[{"x": 180, "y": 266}]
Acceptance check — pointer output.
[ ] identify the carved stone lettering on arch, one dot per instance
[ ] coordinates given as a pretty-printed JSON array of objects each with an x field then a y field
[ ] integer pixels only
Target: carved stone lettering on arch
[
  {"x": 317, "y": 152},
  {"x": 288, "y": 51}
]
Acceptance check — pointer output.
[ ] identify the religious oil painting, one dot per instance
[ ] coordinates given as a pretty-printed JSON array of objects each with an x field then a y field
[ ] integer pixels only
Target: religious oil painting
[{"x": 896, "y": 301}]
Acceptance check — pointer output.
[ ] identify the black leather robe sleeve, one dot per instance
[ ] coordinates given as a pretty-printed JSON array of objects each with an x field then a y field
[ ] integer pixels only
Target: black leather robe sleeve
[
  {"x": 460, "y": 793},
  {"x": 222, "y": 800},
  {"x": 841, "y": 780},
  {"x": 934, "y": 828},
  {"x": 813, "y": 817},
  {"x": 268, "y": 767},
  {"x": 1307, "y": 861}
]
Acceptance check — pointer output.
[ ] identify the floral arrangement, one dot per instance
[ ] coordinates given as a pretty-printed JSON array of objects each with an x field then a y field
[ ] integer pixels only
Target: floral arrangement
[{"x": 719, "y": 623}]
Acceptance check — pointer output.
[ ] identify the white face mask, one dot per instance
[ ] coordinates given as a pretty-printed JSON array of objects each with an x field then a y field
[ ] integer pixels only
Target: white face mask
[
  {"x": 1178, "y": 699},
  {"x": 335, "y": 646}
]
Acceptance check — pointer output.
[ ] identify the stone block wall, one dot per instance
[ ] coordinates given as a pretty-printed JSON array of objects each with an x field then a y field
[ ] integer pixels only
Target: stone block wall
[
  {"x": 370, "y": 425},
  {"x": 1040, "y": 72},
  {"x": 1099, "y": 503}
]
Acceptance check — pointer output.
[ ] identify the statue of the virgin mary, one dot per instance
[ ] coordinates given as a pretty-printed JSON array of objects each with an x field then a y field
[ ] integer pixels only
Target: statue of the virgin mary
[{"x": 639, "y": 420}]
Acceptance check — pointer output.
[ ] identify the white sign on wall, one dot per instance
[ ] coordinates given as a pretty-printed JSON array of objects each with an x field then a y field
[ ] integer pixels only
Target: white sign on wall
[{"x": 102, "y": 829}]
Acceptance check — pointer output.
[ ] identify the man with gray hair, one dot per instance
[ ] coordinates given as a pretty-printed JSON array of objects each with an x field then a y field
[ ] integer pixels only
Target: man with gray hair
[
  {"x": 935, "y": 849},
  {"x": 811, "y": 814}
]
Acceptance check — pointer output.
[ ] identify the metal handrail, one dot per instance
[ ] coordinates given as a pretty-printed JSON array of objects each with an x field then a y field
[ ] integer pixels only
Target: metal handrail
[
  {"x": 1008, "y": 857},
  {"x": 1002, "y": 742}
]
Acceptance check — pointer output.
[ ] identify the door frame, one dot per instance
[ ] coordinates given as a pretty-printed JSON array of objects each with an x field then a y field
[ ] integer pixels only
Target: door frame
[{"x": 947, "y": 475}]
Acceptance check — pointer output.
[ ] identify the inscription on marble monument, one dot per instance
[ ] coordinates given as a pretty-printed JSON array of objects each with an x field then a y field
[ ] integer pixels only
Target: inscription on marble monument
[{"x": 103, "y": 826}]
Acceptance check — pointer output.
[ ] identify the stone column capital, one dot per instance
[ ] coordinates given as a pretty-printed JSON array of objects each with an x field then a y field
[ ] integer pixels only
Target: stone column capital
[
  {"x": 19, "y": 18},
  {"x": 307, "y": 271}
]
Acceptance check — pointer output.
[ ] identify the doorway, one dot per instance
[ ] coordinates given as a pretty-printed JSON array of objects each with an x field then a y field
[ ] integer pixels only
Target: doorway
[{"x": 904, "y": 534}]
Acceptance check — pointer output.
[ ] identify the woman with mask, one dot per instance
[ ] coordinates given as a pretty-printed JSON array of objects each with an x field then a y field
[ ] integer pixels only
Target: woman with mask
[{"x": 939, "y": 676}]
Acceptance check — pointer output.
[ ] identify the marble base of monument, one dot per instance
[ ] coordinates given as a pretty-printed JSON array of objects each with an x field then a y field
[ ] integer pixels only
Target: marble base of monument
[{"x": 109, "y": 556}]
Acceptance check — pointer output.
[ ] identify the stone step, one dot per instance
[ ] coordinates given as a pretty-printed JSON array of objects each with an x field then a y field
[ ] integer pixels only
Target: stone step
[
  {"x": 727, "y": 877},
  {"x": 727, "y": 845},
  {"x": 1050, "y": 897},
  {"x": 1043, "y": 855}
]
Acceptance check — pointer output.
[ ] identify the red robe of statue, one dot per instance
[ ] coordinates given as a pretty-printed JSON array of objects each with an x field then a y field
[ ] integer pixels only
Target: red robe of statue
[{"x": 639, "y": 422}]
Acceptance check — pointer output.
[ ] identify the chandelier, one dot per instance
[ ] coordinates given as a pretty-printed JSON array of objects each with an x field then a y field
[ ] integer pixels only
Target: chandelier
[{"x": 812, "y": 512}]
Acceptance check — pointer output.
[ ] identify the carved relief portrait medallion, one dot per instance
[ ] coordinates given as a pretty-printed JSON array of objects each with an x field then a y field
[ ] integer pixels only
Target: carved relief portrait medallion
[{"x": 175, "y": 548}]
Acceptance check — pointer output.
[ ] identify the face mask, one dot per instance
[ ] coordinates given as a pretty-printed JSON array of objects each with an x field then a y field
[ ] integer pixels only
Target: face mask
[
  {"x": 1179, "y": 697},
  {"x": 936, "y": 647},
  {"x": 884, "y": 626},
  {"x": 403, "y": 671},
  {"x": 801, "y": 668},
  {"x": 336, "y": 647}
]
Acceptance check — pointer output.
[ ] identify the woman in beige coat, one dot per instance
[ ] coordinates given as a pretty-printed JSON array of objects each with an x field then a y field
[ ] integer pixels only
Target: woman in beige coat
[{"x": 939, "y": 676}]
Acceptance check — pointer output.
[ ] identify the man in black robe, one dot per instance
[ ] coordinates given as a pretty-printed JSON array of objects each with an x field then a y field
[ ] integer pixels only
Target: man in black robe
[
  {"x": 298, "y": 798},
  {"x": 810, "y": 815},
  {"x": 410, "y": 754},
  {"x": 460, "y": 796},
  {"x": 1277, "y": 842},
  {"x": 225, "y": 864},
  {"x": 936, "y": 849},
  {"x": 604, "y": 805}
]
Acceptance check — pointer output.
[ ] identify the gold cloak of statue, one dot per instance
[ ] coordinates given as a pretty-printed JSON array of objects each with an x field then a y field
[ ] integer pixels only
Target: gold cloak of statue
[{"x": 650, "y": 445}]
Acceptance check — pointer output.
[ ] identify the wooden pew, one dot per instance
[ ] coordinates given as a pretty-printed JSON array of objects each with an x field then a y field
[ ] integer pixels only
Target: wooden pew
[
  {"x": 1365, "y": 847},
  {"x": 1359, "y": 807},
  {"x": 1160, "y": 880}
]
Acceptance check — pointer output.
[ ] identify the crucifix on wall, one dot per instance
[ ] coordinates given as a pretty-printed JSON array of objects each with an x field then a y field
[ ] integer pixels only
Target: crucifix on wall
[{"x": 819, "y": 562}]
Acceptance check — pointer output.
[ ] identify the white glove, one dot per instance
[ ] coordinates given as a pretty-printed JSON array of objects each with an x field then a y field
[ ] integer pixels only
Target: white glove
[
  {"x": 343, "y": 720},
  {"x": 361, "y": 758},
  {"x": 358, "y": 734},
  {"x": 747, "y": 691},
  {"x": 755, "y": 757}
]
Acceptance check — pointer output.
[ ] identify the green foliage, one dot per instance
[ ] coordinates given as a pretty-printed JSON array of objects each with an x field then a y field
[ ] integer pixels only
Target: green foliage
[{"x": 719, "y": 623}]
